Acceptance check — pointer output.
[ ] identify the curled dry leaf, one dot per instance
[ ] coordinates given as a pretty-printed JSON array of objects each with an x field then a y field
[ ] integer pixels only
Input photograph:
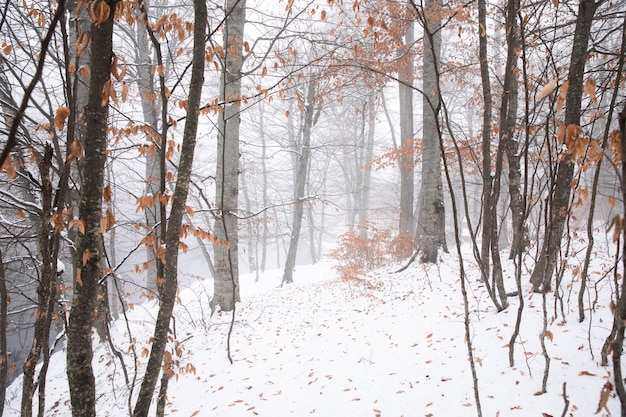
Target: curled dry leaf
[
  {"x": 76, "y": 151},
  {"x": 82, "y": 43},
  {"x": 60, "y": 117},
  {"x": 604, "y": 397},
  {"x": 6, "y": 48},
  {"x": 99, "y": 12},
  {"x": 547, "y": 89}
]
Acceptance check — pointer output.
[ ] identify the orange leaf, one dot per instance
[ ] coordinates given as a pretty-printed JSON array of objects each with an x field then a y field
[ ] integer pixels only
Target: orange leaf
[
  {"x": 547, "y": 89},
  {"x": 9, "y": 167},
  {"x": 107, "y": 194},
  {"x": 604, "y": 397},
  {"x": 125, "y": 89},
  {"x": 86, "y": 256},
  {"x": 99, "y": 12},
  {"x": 79, "y": 280},
  {"x": 107, "y": 222},
  {"x": 80, "y": 223},
  {"x": 590, "y": 89},
  {"x": 7, "y": 48},
  {"x": 60, "y": 117},
  {"x": 84, "y": 72},
  {"x": 76, "y": 151},
  {"x": 82, "y": 43},
  {"x": 108, "y": 92},
  {"x": 20, "y": 213}
]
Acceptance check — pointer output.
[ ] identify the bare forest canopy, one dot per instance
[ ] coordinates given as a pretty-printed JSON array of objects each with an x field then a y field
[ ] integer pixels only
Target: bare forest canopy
[{"x": 150, "y": 144}]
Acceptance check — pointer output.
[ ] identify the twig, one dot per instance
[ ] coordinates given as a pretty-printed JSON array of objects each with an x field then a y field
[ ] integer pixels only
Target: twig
[
  {"x": 11, "y": 139},
  {"x": 565, "y": 399}
]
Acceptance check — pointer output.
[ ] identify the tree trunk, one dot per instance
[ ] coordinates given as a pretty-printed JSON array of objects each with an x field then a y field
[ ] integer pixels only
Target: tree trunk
[
  {"x": 407, "y": 139},
  {"x": 544, "y": 268},
  {"x": 169, "y": 286},
  {"x": 364, "y": 204},
  {"x": 226, "y": 252},
  {"x": 45, "y": 289},
  {"x": 431, "y": 219},
  {"x": 145, "y": 81},
  {"x": 487, "y": 213},
  {"x": 4, "y": 357},
  {"x": 508, "y": 124},
  {"x": 87, "y": 260},
  {"x": 300, "y": 184}
]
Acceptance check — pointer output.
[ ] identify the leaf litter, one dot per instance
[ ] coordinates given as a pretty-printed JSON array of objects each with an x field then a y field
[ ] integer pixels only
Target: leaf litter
[{"x": 328, "y": 347}]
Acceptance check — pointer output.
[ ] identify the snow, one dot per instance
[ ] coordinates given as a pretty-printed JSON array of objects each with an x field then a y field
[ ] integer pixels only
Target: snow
[
  {"x": 60, "y": 266},
  {"x": 390, "y": 345}
]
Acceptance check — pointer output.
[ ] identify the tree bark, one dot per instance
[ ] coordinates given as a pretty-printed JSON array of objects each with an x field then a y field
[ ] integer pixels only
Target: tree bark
[
  {"x": 226, "y": 251},
  {"x": 508, "y": 123},
  {"x": 87, "y": 259},
  {"x": 407, "y": 139},
  {"x": 431, "y": 219},
  {"x": 299, "y": 186},
  {"x": 154, "y": 160},
  {"x": 45, "y": 289},
  {"x": 544, "y": 268},
  {"x": 169, "y": 285},
  {"x": 4, "y": 356}
]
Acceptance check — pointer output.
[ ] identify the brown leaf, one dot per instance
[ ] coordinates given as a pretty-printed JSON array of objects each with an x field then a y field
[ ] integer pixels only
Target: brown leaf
[
  {"x": 9, "y": 167},
  {"x": 547, "y": 89},
  {"x": 108, "y": 92},
  {"x": 86, "y": 256},
  {"x": 586, "y": 373},
  {"x": 590, "y": 89},
  {"x": 79, "y": 280},
  {"x": 107, "y": 194},
  {"x": 124, "y": 93},
  {"x": 76, "y": 151},
  {"x": 107, "y": 222},
  {"x": 80, "y": 223},
  {"x": 60, "y": 117},
  {"x": 82, "y": 43},
  {"x": 99, "y": 12},
  {"x": 604, "y": 397},
  {"x": 84, "y": 72}
]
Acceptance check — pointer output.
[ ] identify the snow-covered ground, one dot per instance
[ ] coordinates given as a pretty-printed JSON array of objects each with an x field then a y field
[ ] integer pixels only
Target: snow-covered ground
[{"x": 392, "y": 345}]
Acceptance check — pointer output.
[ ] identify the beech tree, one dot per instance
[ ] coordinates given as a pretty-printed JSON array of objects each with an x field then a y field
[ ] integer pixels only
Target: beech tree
[
  {"x": 541, "y": 277},
  {"x": 302, "y": 168},
  {"x": 226, "y": 249},
  {"x": 407, "y": 135},
  {"x": 431, "y": 218},
  {"x": 89, "y": 247},
  {"x": 169, "y": 286}
]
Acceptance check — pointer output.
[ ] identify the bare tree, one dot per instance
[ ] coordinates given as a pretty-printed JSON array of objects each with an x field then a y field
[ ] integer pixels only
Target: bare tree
[
  {"x": 541, "y": 277},
  {"x": 169, "y": 285},
  {"x": 226, "y": 252},
  {"x": 89, "y": 244},
  {"x": 431, "y": 218}
]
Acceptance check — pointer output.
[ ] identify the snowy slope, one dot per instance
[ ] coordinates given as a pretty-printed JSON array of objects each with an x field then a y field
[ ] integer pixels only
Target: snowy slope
[{"x": 391, "y": 346}]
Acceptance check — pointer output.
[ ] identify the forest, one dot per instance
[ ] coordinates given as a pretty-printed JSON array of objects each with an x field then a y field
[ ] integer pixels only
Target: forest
[{"x": 151, "y": 146}]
